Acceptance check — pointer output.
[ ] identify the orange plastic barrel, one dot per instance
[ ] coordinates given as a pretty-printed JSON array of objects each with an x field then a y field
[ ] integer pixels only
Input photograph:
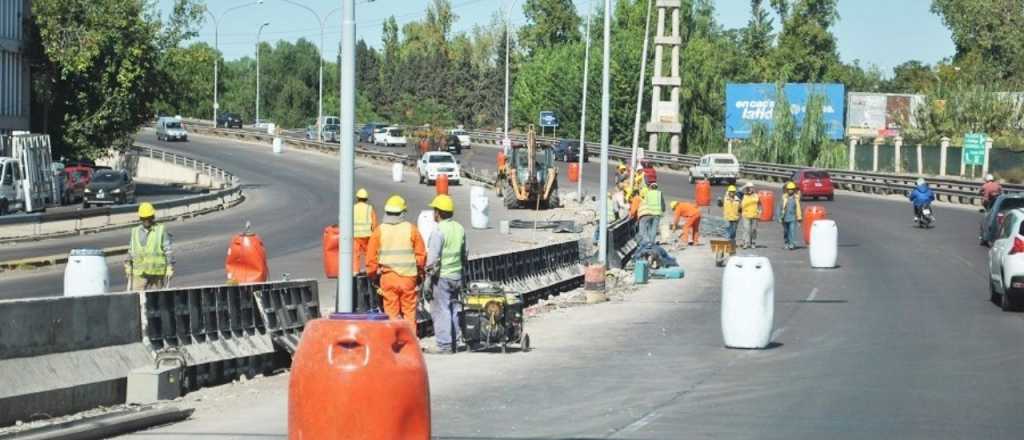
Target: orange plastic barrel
[
  {"x": 358, "y": 377},
  {"x": 441, "y": 184},
  {"x": 767, "y": 199},
  {"x": 247, "y": 259},
  {"x": 330, "y": 251},
  {"x": 812, "y": 213},
  {"x": 703, "y": 195},
  {"x": 574, "y": 172}
]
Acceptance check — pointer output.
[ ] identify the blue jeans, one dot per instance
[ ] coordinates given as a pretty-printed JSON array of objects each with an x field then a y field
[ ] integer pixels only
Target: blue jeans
[
  {"x": 649, "y": 225},
  {"x": 730, "y": 230},
  {"x": 442, "y": 313},
  {"x": 789, "y": 232}
]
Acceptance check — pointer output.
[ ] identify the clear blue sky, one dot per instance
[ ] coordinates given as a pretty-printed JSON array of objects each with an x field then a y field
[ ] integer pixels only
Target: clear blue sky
[{"x": 880, "y": 32}]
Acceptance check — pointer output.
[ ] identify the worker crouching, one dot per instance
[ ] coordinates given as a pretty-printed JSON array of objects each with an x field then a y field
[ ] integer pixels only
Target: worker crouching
[{"x": 396, "y": 257}]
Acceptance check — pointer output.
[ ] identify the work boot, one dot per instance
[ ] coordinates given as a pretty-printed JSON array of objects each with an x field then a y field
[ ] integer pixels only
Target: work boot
[{"x": 437, "y": 350}]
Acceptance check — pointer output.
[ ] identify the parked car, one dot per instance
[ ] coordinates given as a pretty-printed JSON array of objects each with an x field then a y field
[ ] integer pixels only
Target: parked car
[
  {"x": 568, "y": 150},
  {"x": 716, "y": 168},
  {"x": 76, "y": 178},
  {"x": 453, "y": 144},
  {"x": 229, "y": 120},
  {"x": 463, "y": 136},
  {"x": 262, "y": 124},
  {"x": 814, "y": 183},
  {"x": 1006, "y": 261},
  {"x": 330, "y": 132},
  {"x": 170, "y": 129},
  {"x": 378, "y": 135},
  {"x": 366, "y": 133},
  {"x": 436, "y": 163},
  {"x": 996, "y": 215},
  {"x": 392, "y": 137},
  {"x": 109, "y": 187}
]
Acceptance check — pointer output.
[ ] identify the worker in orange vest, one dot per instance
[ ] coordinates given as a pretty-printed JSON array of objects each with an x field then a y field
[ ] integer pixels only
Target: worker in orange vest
[
  {"x": 690, "y": 212},
  {"x": 397, "y": 256},
  {"x": 364, "y": 222}
]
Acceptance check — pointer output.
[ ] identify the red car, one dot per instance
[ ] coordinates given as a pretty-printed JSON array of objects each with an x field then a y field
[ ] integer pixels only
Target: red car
[
  {"x": 76, "y": 178},
  {"x": 814, "y": 183}
]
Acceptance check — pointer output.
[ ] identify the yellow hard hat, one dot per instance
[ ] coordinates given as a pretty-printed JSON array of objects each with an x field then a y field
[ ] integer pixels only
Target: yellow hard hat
[
  {"x": 146, "y": 210},
  {"x": 443, "y": 202},
  {"x": 731, "y": 188},
  {"x": 394, "y": 205},
  {"x": 362, "y": 194},
  {"x": 622, "y": 166},
  {"x": 790, "y": 185},
  {"x": 673, "y": 204}
]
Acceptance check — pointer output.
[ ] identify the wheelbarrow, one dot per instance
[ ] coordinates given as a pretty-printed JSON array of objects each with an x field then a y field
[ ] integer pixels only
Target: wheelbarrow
[{"x": 722, "y": 249}]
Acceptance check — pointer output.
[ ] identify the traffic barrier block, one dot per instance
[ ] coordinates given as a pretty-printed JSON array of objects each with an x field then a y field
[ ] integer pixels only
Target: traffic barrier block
[{"x": 286, "y": 308}]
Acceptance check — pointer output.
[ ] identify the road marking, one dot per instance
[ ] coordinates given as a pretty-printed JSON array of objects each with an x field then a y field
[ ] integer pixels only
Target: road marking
[
  {"x": 640, "y": 423},
  {"x": 814, "y": 293}
]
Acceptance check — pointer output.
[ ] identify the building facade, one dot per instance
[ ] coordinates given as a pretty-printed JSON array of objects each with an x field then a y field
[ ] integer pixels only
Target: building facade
[{"x": 14, "y": 68}]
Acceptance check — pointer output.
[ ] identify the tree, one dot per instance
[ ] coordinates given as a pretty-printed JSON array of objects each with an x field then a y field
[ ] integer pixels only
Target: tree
[
  {"x": 989, "y": 37},
  {"x": 911, "y": 77},
  {"x": 806, "y": 49},
  {"x": 188, "y": 68},
  {"x": 757, "y": 41},
  {"x": 549, "y": 23}
]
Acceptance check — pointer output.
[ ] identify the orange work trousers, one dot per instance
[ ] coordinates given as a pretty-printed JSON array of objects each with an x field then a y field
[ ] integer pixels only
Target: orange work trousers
[
  {"x": 399, "y": 296},
  {"x": 359, "y": 246},
  {"x": 691, "y": 229}
]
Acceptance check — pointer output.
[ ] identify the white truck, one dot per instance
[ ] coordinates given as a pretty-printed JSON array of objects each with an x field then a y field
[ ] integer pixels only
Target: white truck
[
  {"x": 26, "y": 178},
  {"x": 716, "y": 168}
]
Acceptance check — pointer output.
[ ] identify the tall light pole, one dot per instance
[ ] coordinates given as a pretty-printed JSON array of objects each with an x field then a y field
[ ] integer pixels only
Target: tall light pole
[
  {"x": 602, "y": 242},
  {"x": 258, "y": 70},
  {"x": 583, "y": 106},
  {"x": 216, "y": 49},
  {"x": 508, "y": 45},
  {"x": 346, "y": 155},
  {"x": 640, "y": 93},
  {"x": 320, "y": 103}
]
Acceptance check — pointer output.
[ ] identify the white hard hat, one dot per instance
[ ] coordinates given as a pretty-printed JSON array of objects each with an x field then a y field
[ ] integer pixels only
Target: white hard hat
[{"x": 989, "y": 178}]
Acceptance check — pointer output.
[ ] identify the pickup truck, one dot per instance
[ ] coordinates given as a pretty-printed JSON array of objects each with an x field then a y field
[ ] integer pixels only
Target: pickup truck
[{"x": 716, "y": 168}]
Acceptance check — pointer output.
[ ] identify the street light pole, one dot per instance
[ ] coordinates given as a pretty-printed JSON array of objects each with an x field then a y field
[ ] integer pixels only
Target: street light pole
[
  {"x": 508, "y": 45},
  {"x": 583, "y": 106},
  {"x": 346, "y": 178},
  {"x": 320, "y": 102},
  {"x": 258, "y": 70},
  {"x": 216, "y": 50},
  {"x": 602, "y": 243}
]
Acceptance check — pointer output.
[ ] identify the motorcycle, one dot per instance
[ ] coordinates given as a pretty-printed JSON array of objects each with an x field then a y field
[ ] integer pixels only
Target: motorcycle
[{"x": 927, "y": 218}]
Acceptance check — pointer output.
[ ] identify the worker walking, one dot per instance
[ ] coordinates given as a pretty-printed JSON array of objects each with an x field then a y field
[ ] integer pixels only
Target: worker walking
[
  {"x": 446, "y": 257},
  {"x": 750, "y": 214},
  {"x": 396, "y": 256},
  {"x": 731, "y": 211},
  {"x": 150, "y": 263},
  {"x": 790, "y": 215},
  {"x": 691, "y": 229},
  {"x": 651, "y": 209},
  {"x": 364, "y": 221}
]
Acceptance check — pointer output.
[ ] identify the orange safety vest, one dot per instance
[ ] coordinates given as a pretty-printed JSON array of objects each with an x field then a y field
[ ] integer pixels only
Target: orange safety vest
[
  {"x": 396, "y": 249},
  {"x": 362, "y": 220}
]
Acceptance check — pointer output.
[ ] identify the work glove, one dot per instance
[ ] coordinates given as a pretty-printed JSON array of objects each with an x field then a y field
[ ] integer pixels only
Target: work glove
[{"x": 170, "y": 272}]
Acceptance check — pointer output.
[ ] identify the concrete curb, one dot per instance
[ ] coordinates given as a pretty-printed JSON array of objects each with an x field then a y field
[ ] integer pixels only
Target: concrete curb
[
  {"x": 53, "y": 260},
  {"x": 105, "y": 426}
]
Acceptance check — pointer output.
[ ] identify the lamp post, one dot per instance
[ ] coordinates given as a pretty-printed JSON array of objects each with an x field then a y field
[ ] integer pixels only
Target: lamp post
[
  {"x": 508, "y": 44},
  {"x": 346, "y": 155},
  {"x": 602, "y": 243},
  {"x": 258, "y": 70},
  {"x": 320, "y": 102},
  {"x": 583, "y": 106},
  {"x": 216, "y": 49}
]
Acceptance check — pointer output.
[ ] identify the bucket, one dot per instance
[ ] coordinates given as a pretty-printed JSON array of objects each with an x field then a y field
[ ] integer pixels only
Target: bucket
[
  {"x": 748, "y": 302},
  {"x": 703, "y": 193},
  {"x": 640, "y": 271},
  {"x": 593, "y": 284},
  {"x": 86, "y": 273},
  {"x": 824, "y": 245},
  {"x": 479, "y": 207},
  {"x": 396, "y": 172},
  {"x": 426, "y": 224}
]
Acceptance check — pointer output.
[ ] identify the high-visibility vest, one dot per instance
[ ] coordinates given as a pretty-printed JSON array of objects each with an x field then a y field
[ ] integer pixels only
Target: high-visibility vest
[
  {"x": 786, "y": 200},
  {"x": 362, "y": 220},
  {"x": 451, "y": 253},
  {"x": 148, "y": 258},
  {"x": 730, "y": 209},
  {"x": 749, "y": 205},
  {"x": 651, "y": 204},
  {"x": 396, "y": 252}
]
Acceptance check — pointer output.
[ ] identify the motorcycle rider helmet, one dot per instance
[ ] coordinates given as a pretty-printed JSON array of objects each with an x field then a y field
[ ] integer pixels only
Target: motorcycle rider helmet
[
  {"x": 989, "y": 178},
  {"x": 920, "y": 181}
]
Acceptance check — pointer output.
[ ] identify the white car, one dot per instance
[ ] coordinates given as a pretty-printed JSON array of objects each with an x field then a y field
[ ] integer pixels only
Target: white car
[
  {"x": 436, "y": 163},
  {"x": 378, "y": 136},
  {"x": 393, "y": 137},
  {"x": 1006, "y": 262},
  {"x": 716, "y": 168},
  {"x": 464, "y": 139}
]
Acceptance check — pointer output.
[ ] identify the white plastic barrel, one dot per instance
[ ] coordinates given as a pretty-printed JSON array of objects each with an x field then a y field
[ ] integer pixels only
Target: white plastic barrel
[
  {"x": 824, "y": 247},
  {"x": 278, "y": 146},
  {"x": 426, "y": 224},
  {"x": 86, "y": 273},
  {"x": 504, "y": 227},
  {"x": 271, "y": 128},
  {"x": 748, "y": 302},
  {"x": 396, "y": 172},
  {"x": 479, "y": 207}
]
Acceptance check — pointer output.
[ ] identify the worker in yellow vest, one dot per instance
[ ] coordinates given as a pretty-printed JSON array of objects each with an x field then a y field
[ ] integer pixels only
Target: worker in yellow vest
[
  {"x": 750, "y": 214},
  {"x": 150, "y": 263},
  {"x": 730, "y": 211},
  {"x": 652, "y": 206},
  {"x": 396, "y": 256},
  {"x": 446, "y": 258},
  {"x": 364, "y": 221}
]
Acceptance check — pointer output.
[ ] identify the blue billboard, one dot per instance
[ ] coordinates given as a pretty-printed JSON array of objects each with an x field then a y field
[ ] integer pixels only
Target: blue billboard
[{"x": 749, "y": 104}]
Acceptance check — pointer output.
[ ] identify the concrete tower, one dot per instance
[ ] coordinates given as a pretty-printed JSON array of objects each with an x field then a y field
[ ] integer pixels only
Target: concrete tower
[{"x": 665, "y": 113}]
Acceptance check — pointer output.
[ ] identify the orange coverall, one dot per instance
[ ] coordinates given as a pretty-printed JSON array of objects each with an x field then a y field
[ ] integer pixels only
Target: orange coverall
[
  {"x": 690, "y": 212},
  {"x": 398, "y": 291}
]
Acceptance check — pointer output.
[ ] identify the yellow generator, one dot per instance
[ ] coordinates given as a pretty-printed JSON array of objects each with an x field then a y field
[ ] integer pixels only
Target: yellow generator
[{"x": 492, "y": 318}]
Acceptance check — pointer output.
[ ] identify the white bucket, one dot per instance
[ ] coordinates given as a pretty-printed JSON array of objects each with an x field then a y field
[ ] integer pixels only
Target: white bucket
[
  {"x": 86, "y": 273},
  {"x": 748, "y": 302},
  {"x": 278, "y": 146},
  {"x": 426, "y": 224},
  {"x": 824, "y": 247},
  {"x": 396, "y": 172},
  {"x": 479, "y": 207}
]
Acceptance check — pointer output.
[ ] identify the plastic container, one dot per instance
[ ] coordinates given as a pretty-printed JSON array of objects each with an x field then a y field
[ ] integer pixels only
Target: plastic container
[
  {"x": 396, "y": 172},
  {"x": 703, "y": 193},
  {"x": 593, "y": 278},
  {"x": 812, "y": 213},
  {"x": 426, "y": 224},
  {"x": 86, "y": 273},
  {"x": 824, "y": 246},
  {"x": 767, "y": 199},
  {"x": 748, "y": 302},
  {"x": 358, "y": 377},
  {"x": 640, "y": 271},
  {"x": 479, "y": 207},
  {"x": 668, "y": 273},
  {"x": 278, "y": 146},
  {"x": 574, "y": 172},
  {"x": 441, "y": 184},
  {"x": 246, "y": 261},
  {"x": 330, "y": 251}
]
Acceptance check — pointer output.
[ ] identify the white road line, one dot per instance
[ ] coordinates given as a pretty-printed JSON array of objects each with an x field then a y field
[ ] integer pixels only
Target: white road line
[
  {"x": 814, "y": 293},
  {"x": 639, "y": 424}
]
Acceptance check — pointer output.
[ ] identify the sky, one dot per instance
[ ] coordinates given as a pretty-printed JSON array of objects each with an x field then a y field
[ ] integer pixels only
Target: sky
[{"x": 884, "y": 33}]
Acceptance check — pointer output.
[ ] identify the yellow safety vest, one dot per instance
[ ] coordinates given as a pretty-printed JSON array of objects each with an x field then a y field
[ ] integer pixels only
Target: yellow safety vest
[
  {"x": 651, "y": 203},
  {"x": 750, "y": 203},
  {"x": 396, "y": 251},
  {"x": 148, "y": 258},
  {"x": 730, "y": 209},
  {"x": 451, "y": 253},
  {"x": 362, "y": 220}
]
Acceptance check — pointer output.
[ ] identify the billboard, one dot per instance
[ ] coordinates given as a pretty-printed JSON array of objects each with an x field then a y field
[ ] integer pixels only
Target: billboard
[
  {"x": 749, "y": 104},
  {"x": 873, "y": 115}
]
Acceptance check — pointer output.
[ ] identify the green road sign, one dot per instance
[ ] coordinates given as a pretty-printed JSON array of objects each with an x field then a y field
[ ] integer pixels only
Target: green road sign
[{"x": 974, "y": 149}]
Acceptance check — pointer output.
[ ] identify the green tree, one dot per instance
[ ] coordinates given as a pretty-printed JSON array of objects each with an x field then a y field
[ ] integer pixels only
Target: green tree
[
  {"x": 989, "y": 37},
  {"x": 911, "y": 77},
  {"x": 758, "y": 40},
  {"x": 188, "y": 68},
  {"x": 550, "y": 23},
  {"x": 806, "y": 49}
]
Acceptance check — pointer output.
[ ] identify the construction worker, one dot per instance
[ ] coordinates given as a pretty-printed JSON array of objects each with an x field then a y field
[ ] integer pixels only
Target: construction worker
[
  {"x": 651, "y": 209},
  {"x": 621, "y": 174},
  {"x": 730, "y": 211},
  {"x": 150, "y": 263},
  {"x": 619, "y": 201},
  {"x": 750, "y": 214},
  {"x": 691, "y": 229},
  {"x": 364, "y": 221},
  {"x": 790, "y": 214},
  {"x": 396, "y": 256},
  {"x": 446, "y": 256},
  {"x": 501, "y": 171}
]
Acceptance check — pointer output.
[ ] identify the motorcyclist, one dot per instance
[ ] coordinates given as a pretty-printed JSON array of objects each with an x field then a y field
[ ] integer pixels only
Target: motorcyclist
[
  {"x": 990, "y": 190},
  {"x": 921, "y": 196}
]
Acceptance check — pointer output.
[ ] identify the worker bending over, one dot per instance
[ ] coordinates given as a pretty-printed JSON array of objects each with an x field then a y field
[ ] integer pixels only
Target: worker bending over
[
  {"x": 396, "y": 257},
  {"x": 691, "y": 229},
  {"x": 364, "y": 221},
  {"x": 150, "y": 263},
  {"x": 446, "y": 258}
]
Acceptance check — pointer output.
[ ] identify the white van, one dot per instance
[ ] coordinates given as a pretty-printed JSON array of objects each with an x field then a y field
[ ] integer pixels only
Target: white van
[{"x": 170, "y": 129}]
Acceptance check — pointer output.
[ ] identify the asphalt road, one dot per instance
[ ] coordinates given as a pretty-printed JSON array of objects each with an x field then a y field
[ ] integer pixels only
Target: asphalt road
[{"x": 900, "y": 341}]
